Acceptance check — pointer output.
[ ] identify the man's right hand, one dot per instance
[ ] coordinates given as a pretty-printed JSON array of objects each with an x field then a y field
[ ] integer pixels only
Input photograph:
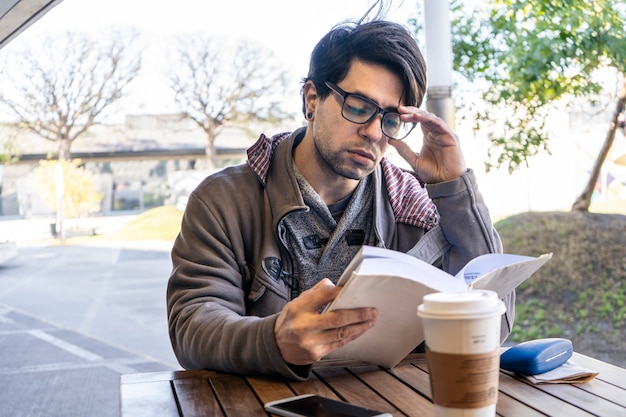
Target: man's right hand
[{"x": 304, "y": 336}]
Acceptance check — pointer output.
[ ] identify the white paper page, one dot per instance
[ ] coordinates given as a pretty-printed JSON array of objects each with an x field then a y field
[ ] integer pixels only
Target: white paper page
[
  {"x": 506, "y": 278},
  {"x": 398, "y": 329},
  {"x": 483, "y": 264},
  {"x": 413, "y": 269},
  {"x": 369, "y": 260},
  {"x": 368, "y": 285}
]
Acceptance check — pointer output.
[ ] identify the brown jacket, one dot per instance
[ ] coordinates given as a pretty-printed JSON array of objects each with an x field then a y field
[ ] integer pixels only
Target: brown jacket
[{"x": 227, "y": 284}]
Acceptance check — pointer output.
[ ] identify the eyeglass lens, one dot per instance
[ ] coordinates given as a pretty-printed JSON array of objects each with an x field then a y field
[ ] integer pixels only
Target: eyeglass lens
[
  {"x": 361, "y": 110},
  {"x": 358, "y": 110}
]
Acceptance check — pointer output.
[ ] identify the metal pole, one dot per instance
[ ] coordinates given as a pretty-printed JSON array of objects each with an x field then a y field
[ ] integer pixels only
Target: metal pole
[
  {"x": 60, "y": 192},
  {"x": 439, "y": 60}
]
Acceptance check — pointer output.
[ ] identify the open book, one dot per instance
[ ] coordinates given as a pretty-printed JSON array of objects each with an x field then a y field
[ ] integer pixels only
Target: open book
[{"x": 395, "y": 284}]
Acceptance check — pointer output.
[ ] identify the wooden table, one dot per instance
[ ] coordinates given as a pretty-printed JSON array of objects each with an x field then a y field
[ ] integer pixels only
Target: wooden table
[{"x": 401, "y": 391}]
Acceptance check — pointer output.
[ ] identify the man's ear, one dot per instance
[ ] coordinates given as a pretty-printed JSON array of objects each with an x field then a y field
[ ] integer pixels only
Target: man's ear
[{"x": 310, "y": 97}]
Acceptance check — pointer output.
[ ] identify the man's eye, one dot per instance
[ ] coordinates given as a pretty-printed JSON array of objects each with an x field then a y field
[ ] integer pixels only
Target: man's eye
[
  {"x": 392, "y": 123},
  {"x": 358, "y": 110}
]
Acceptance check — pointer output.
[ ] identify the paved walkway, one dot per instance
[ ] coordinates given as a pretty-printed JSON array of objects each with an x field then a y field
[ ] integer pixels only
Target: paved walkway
[{"x": 75, "y": 318}]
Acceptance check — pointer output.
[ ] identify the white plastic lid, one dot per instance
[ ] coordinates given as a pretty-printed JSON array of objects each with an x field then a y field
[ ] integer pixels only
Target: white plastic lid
[{"x": 461, "y": 305}]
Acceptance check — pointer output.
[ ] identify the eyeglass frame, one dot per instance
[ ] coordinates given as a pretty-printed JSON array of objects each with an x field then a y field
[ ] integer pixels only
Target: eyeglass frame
[{"x": 379, "y": 110}]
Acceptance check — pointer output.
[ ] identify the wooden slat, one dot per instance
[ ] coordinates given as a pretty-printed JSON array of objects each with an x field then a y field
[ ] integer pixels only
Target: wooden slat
[
  {"x": 585, "y": 400},
  {"x": 403, "y": 390},
  {"x": 415, "y": 377},
  {"x": 236, "y": 397},
  {"x": 313, "y": 386},
  {"x": 537, "y": 399},
  {"x": 605, "y": 390},
  {"x": 392, "y": 389},
  {"x": 608, "y": 373},
  {"x": 508, "y": 406},
  {"x": 196, "y": 398},
  {"x": 414, "y": 359},
  {"x": 270, "y": 389},
  {"x": 351, "y": 389},
  {"x": 148, "y": 400},
  {"x": 163, "y": 376},
  {"x": 422, "y": 364}
]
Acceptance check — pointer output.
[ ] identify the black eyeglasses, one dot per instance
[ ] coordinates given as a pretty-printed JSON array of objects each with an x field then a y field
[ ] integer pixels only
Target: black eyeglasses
[{"x": 360, "y": 110}]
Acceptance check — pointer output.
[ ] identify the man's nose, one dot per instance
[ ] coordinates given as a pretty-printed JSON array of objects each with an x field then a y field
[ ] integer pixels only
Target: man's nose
[{"x": 373, "y": 129}]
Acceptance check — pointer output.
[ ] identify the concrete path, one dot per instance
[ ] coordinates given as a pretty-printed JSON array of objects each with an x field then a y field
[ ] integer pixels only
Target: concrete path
[{"x": 75, "y": 318}]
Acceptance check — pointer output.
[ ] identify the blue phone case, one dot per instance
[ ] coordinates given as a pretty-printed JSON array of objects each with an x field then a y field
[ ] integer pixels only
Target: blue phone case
[{"x": 536, "y": 356}]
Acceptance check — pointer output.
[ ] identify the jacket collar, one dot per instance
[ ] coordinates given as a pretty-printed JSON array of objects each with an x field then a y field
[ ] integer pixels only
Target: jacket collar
[
  {"x": 260, "y": 154},
  {"x": 408, "y": 198}
]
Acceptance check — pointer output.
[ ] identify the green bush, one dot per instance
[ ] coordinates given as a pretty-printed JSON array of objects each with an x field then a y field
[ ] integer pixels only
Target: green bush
[{"x": 580, "y": 294}]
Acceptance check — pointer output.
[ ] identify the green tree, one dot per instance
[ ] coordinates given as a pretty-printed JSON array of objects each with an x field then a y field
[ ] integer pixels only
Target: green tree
[
  {"x": 60, "y": 86},
  {"x": 217, "y": 84},
  {"x": 530, "y": 54}
]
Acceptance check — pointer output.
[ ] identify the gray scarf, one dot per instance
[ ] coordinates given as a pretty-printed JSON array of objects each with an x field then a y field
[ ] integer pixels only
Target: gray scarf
[{"x": 321, "y": 246}]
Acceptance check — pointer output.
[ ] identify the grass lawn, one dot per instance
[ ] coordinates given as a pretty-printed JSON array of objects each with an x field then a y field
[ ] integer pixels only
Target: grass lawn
[{"x": 160, "y": 223}]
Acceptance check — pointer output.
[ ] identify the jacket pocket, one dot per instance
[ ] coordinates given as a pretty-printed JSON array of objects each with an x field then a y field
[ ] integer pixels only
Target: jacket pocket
[{"x": 269, "y": 276}]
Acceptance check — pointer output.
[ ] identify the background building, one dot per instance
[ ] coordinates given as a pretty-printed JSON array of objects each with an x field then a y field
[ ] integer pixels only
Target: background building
[{"x": 148, "y": 161}]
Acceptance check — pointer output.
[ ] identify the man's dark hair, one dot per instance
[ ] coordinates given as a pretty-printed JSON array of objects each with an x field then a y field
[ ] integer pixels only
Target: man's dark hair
[{"x": 377, "y": 42}]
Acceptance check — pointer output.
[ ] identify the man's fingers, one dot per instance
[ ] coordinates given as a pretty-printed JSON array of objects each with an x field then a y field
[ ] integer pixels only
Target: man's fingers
[
  {"x": 335, "y": 337},
  {"x": 405, "y": 151},
  {"x": 303, "y": 335},
  {"x": 346, "y": 325},
  {"x": 320, "y": 294}
]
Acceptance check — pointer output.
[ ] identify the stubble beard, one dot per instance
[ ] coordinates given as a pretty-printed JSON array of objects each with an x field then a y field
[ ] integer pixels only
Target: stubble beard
[{"x": 333, "y": 162}]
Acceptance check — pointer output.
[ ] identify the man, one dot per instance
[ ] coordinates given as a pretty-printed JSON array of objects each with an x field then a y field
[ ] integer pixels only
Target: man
[{"x": 262, "y": 243}]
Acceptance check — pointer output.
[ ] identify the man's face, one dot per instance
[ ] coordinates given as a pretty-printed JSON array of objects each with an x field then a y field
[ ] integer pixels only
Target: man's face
[{"x": 348, "y": 149}]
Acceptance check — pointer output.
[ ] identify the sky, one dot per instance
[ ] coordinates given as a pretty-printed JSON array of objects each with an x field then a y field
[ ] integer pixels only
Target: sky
[{"x": 290, "y": 28}]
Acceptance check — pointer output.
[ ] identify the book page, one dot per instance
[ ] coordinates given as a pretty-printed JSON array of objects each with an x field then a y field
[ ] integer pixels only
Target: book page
[
  {"x": 398, "y": 329},
  {"x": 506, "y": 278},
  {"x": 373, "y": 260},
  {"x": 395, "y": 286},
  {"x": 395, "y": 283},
  {"x": 489, "y": 262}
]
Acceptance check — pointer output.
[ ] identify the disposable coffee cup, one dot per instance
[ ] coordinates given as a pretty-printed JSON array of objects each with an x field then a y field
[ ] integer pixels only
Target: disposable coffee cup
[{"x": 462, "y": 333}]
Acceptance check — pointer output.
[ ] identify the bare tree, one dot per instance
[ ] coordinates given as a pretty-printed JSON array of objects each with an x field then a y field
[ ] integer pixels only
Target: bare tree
[
  {"x": 61, "y": 87},
  {"x": 217, "y": 84}
]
